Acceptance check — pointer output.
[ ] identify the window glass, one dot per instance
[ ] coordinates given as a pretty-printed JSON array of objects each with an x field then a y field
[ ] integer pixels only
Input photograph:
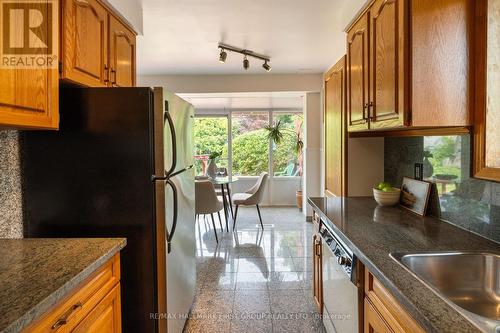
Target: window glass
[
  {"x": 443, "y": 161},
  {"x": 210, "y": 135},
  {"x": 250, "y": 143},
  {"x": 287, "y": 155}
]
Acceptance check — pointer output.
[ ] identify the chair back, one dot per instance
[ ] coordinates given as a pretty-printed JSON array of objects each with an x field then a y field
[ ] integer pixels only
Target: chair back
[
  {"x": 206, "y": 201},
  {"x": 258, "y": 188}
]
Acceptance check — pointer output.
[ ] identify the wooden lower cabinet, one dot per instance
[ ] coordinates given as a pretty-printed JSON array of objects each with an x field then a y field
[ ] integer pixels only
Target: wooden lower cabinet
[
  {"x": 373, "y": 322},
  {"x": 94, "y": 306},
  {"x": 382, "y": 312},
  {"x": 106, "y": 316},
  {"x": 317, "y": 272}
]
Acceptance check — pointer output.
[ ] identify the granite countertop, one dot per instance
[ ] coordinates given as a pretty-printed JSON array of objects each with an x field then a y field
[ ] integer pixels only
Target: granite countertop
[
  {"x": 37, "y": 273},
  {"x": 373, "y": 232}
]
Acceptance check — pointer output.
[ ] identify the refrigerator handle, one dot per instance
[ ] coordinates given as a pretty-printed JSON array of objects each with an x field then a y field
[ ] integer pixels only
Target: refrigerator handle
[
  {"x": 181, "y": 171},
  {"x": 170, "y": 235},
  {"x": 168, "y": 118}
]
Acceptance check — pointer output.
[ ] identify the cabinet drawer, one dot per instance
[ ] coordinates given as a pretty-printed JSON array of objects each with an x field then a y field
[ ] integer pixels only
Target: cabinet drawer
[
  {"x": 105, "y": 317},
  {"x": 392, "y": 312},
  {"x": 69, "y": 312}
]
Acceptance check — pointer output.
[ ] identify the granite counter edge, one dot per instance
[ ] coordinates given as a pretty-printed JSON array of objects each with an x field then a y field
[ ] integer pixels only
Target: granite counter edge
[{"x": 45, "y": 305}]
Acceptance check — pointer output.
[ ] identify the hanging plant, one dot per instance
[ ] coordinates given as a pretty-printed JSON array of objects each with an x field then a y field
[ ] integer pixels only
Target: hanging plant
[{"x": 275, "y": 132}]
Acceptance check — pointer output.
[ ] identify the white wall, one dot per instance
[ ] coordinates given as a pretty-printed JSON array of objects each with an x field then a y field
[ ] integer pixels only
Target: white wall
[
  {"x": 313, "y": 151},
  {"x": 234, "y": 83},
  {"x": 365, "y": 158},
  {"x": 278, "y": 191},
  {"x": 131, "y": 11}
]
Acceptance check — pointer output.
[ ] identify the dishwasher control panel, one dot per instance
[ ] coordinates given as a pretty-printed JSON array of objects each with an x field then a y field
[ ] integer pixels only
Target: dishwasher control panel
[{"x": 342, "y": 254}]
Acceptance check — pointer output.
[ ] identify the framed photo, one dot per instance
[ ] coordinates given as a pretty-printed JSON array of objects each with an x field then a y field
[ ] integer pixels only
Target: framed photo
[{"x": 415, "y": 195}]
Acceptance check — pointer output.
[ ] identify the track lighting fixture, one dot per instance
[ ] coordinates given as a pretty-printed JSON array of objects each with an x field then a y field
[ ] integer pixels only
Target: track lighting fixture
[
  {"x": 266, "y": 66},
  {"x": 222, "y": 56},
  {"x": 247, "y": 53},
  {"x": 246, "y": 63}
]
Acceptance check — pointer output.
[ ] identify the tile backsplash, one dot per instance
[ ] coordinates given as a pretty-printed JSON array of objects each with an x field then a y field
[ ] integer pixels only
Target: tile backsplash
[
  {"x": 11, "y": 213},
  {"x": 470, "y": 203}
]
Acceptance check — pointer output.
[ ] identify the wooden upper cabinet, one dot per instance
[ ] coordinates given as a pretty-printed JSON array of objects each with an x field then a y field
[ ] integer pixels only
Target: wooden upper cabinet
[
  {"x": 335, "y": 129},
  {"x": 419, "y": 65},
  {"x": 97, "y": 49},
  {"x": 122, "y": 54},
  {"x": 357, "y": 75},
  {"x": 441, "y": 44},
  {"x": 84, "y": 44},
  {"x": 386, "y": 106},
  {"x": 486, "y": 157},
  {"x": 29, "y": 97}
]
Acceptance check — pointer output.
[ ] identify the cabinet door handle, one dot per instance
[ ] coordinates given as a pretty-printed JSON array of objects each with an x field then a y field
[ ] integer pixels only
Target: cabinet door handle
[
  {"x": 317, "y": 248},
  {"x": 106, "y": 72},
  {"x": 64, "y": 318},
  {"x": 113, "y": 77},
  {"x": 370, "y": 108}
]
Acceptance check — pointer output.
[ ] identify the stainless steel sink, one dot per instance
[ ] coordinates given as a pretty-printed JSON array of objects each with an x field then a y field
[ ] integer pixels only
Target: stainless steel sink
[{"x": 468, "y": 281}]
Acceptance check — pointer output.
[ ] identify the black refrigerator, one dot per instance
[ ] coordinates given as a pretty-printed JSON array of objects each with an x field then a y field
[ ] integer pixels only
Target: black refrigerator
[{"x": 121, "y": 166}]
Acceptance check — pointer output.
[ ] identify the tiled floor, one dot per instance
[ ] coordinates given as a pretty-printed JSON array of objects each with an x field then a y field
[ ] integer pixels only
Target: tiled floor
[{"x": 254, "y": 280}]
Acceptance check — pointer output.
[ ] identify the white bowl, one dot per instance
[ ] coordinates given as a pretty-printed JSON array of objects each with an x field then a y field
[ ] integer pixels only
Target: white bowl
[{"x": 389, "y": 198}]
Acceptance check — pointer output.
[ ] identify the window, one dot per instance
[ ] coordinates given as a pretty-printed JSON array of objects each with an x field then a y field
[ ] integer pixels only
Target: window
[
  {"x": 250, "y": 144},
  {"x": 210, "y": 135},
  {"x": 246, "y": 149},
  {"x": 287, "y": 155}
]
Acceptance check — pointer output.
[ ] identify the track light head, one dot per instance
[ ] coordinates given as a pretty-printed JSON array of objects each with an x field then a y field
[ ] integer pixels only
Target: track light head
[
  {"x": 246, "y": 63},
  {"x": 266, "y": 66},
  {"x": 222, "y": 56}
]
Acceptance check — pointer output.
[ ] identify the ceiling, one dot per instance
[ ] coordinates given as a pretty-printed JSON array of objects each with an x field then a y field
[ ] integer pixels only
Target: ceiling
[
  {"x": 247, "y": 101},
  {"x": 300, "y": 36}
]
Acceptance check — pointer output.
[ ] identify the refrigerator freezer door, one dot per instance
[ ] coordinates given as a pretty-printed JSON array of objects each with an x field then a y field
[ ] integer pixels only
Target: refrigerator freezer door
[{"x": 181, "y": 262}]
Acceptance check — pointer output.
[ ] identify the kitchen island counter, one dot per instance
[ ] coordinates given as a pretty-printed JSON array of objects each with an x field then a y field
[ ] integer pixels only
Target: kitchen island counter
[
  {"x": 36, "y": 274},
  {"x": 373, "y": 232}
]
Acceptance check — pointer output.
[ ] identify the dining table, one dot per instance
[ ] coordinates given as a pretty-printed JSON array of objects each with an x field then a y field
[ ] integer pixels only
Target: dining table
[{"x": 224, "y": 182}]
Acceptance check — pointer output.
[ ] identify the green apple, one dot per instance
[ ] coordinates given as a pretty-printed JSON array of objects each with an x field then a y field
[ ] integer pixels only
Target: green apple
[
  {"x": 388, "y": 189},
  {"x": 383, "y": 185}
]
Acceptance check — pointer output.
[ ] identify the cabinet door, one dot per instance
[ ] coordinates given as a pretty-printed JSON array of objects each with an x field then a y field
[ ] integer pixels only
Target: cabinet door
[
  {"x": 373, "y": 322},
  {"x": 487, "y": 110},
  {"x": 105, "y": 317},
  {"x": 317, "y": 273},
  {"x": 84, "y": 43},
  {"x": 29, "y": 97},
  {"x": 335, "y": 130},
  {"x": 122, "y": 54},
  {"x": 386, "y": 106},
  {"x": 357, "y": 75}
]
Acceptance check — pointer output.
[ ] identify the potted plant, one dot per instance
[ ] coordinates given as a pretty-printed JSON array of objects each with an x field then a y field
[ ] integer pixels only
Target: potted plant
[
  {"x": 276, "y": 133},
  {"x": 212, "y": 167}
]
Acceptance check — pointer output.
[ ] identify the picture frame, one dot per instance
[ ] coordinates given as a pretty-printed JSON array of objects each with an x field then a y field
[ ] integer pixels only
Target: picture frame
[{"x": 415, "y": 195}]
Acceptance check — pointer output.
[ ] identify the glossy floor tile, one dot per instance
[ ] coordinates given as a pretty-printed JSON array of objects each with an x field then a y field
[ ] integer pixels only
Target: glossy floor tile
[{"x": 255, "y": 280}]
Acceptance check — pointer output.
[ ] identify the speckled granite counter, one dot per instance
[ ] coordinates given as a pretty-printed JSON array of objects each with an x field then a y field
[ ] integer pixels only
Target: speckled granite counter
[
  {"x": 373, "y": 232},
  {"x": 37, "y": 273}
]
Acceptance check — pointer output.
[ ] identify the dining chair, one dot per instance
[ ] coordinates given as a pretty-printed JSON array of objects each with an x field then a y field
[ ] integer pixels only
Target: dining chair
[
  {"x": 252, "y": 196},
  {"x": 206, "y": 202}
]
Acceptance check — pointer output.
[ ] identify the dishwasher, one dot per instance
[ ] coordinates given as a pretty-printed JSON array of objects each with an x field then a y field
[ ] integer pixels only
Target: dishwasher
[{"x": 340, "y": 291}]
